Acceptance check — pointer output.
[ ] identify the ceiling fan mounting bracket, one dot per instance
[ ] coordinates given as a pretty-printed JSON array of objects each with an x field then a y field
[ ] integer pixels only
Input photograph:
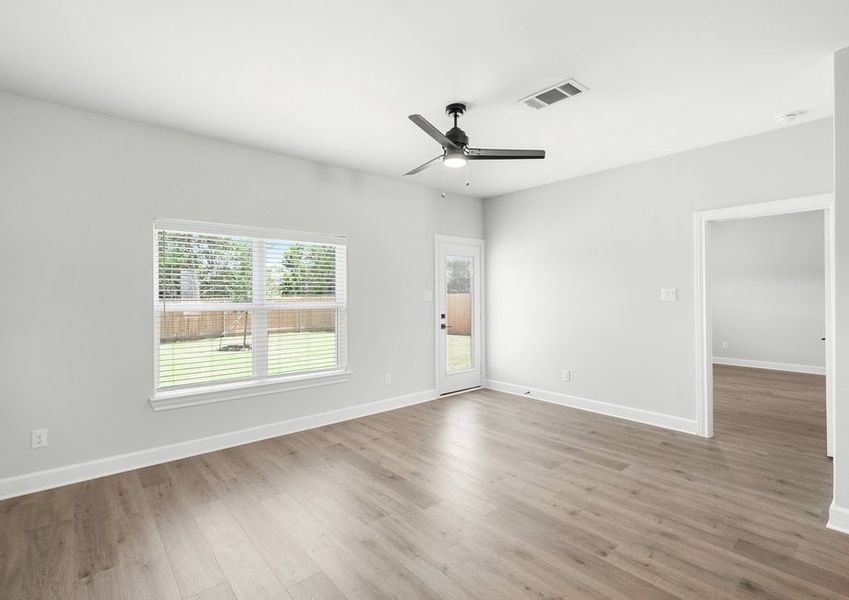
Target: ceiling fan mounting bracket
[{"x": 455, "y": 109}]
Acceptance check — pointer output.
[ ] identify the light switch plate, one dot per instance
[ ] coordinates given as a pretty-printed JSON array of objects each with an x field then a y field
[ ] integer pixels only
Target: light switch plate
[
  {"x": 668, "y": 294},
  {"x": 428, "y": 296}
]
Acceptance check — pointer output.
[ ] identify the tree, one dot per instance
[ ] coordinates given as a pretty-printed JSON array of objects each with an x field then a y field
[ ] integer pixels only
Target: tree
[
  {"x": 304, "y": 270},
  {"x": 459, "y": 275},
  {"x": 220, "y": 267},
  {"x": 199, "y": 267}
]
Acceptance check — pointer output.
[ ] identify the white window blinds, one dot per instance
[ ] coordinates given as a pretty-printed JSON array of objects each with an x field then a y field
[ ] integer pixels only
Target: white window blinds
[{"x": 239, "y": 304}]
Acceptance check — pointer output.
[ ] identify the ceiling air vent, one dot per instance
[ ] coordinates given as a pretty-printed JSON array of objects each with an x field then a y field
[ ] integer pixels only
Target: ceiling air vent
[{"x": 555, "y": 93}]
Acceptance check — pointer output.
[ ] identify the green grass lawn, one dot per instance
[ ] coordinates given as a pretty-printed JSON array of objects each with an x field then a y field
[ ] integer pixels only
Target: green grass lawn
[
  {"x": 201, "y": 361},
  {"x": 459, "y": 353}
]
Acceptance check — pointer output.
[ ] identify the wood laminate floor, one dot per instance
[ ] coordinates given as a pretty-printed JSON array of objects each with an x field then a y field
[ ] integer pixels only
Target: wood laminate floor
[{"x": 477, "y": 496}]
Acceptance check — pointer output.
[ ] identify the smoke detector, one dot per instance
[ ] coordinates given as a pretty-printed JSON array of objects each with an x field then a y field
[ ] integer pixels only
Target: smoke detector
[{"x": 553, "y": 94}]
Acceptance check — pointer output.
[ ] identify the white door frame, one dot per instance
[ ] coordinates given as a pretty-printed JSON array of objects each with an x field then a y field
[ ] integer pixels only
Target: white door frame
[
  {"x": 453, "y": 239},
  {"x": 704, "y": 343}
]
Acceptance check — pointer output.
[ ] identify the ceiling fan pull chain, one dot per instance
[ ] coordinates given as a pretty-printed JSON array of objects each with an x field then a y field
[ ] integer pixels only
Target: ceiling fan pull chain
[
  {"x": 467, "y": 173},
  {"x": 443, "y": 180}
]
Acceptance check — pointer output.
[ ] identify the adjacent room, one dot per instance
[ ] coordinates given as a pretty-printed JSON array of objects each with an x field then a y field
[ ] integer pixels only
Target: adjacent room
[
  {"x": 768, "y": 308},
  {"x": 456, "y": 301},
  {"x": 768, "y": 314}
]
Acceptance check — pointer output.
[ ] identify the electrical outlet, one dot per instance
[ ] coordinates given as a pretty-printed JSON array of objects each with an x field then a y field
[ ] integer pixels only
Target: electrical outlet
[
  {"x": 39, "y": 438},
  {"x": 388, "y": 379},
  {"x": 725, "y": 345},
  {"x": 567, "y": 375}
]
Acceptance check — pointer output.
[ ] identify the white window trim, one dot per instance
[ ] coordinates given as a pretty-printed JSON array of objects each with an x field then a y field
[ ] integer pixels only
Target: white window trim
[
  {"x": 187, "y": 226},
  {"x": 260, "y": 384},
  {"x": 220, "y": 392}
]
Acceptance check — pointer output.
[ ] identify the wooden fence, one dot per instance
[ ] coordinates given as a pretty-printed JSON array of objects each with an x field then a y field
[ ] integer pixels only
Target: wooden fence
[
  {"x": 459, "y": 312},
  {"x": 175, "y": 325},
  {"x": 182, "y": 326}
]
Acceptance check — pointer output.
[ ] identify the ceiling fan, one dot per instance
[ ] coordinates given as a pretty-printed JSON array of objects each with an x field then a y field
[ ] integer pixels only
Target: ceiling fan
[{"x": 455, "y": 144}]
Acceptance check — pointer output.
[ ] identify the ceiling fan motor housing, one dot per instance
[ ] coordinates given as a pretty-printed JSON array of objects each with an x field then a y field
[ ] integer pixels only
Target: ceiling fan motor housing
[{"x": 458, "y": 136}]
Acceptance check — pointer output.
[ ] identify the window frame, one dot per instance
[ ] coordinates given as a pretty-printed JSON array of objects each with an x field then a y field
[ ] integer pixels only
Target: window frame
[{"x": 259, "y": 383}]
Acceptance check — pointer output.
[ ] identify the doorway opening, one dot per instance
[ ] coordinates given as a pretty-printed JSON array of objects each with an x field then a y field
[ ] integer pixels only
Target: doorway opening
[
  {"x": 767, "y": 283},
  {"x": 704, "y": 321},
  {"x": 772, "y": 420}
]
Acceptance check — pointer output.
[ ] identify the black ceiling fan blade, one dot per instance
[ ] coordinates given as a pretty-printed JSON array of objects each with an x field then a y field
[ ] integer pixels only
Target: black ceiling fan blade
[
  {"x": 432, "y": 131},
  {"x": 424, "y": 166},
  {"x": 502, "y": 154}
]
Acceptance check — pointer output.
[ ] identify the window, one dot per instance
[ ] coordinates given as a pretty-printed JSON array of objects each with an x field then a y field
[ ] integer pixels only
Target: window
[{"x": 239, "y": 307}]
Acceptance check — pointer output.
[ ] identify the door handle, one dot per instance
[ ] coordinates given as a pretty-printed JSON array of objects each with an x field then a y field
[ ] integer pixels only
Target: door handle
[{"x": 444, "y": 326}]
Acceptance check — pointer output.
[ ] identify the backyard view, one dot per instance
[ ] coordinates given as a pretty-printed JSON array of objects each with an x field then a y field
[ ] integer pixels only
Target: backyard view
[
  {"x": 209, "y": 314},
  {"x": 458, "y": 307},
  {"x": 459, "y": 353},
  {"x": 201, "y": 360},
  {"x": 199, "y": 273}
]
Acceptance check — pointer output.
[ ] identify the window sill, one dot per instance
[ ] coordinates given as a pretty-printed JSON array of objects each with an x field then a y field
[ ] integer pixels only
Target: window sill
[{"x": 168, "y": 400}]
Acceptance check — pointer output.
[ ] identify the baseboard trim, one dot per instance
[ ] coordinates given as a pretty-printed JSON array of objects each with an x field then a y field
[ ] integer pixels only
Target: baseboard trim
[
  {"x": 605, "y": 408},
  {"x": 765, "y": 364},
  {"x": 838, "y": 518},
  {"x": 28, "y": 483}
]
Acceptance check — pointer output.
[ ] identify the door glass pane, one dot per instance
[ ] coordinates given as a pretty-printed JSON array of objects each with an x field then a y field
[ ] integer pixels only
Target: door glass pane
[{"x": 458, "y": 312}]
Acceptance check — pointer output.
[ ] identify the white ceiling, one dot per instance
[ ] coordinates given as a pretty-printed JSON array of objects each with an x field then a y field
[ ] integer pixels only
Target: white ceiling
[{"x": 335, "y": 81}]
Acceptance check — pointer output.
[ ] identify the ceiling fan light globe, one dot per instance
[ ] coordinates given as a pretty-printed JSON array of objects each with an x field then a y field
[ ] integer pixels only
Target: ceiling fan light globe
[{"x": 454, "y": 160}]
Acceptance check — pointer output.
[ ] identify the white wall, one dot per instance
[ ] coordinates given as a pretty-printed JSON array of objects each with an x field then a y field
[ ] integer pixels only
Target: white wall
[
  {"x": 768, "y": 290},
  {"x": 839, "y": 517},
  {"x": 79, "y": 192},
  {"x": 574, "y": 270}
]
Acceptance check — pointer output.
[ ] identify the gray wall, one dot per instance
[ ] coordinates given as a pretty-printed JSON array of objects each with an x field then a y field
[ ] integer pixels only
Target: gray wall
[
  {"x": 574, "y": 269},
  {"x": 840, "y": 516},
  {"x": 768, "y": 289},
  {"x": 79, "y": 193}
]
